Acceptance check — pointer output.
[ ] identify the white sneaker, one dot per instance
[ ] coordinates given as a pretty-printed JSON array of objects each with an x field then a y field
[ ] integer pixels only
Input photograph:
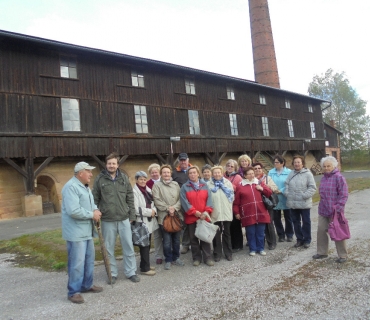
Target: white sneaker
[
  {"x": 252, "y": 253},
  {"x": 262, "y": 253}
]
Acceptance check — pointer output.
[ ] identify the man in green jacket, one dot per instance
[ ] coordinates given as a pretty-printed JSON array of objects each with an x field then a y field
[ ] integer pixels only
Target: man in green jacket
[{"x": 114, "y": 197}]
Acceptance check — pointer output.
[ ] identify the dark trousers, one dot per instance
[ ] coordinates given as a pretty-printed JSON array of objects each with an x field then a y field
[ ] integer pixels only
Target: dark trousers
[
  {"x": 198, "y": 247},
  {"x": 222, "y": 240},
  {"x": 185, "y": 237},
  {"x": 171, "y": 244},
  {"x": 288, "y": 232},
  {"x": 302, "y": 230},
  {"x": 270, "y": 230},
  {"x": 236, "y": 234},
  {"x": 144, "y": 257}
]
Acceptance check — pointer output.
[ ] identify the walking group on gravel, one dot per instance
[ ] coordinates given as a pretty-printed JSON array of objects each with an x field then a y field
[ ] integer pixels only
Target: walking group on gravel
[{"x": 239, "y": 195}]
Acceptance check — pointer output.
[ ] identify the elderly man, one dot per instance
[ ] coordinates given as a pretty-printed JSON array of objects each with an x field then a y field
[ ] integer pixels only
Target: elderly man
[
  {"x": 78, "y": 213},
  {"x": 180, "y": 176},
  {"x": 114, "y": 197}
]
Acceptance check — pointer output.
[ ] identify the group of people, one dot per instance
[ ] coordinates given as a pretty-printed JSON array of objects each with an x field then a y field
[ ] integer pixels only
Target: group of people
[{"x": 230, "y": 197}]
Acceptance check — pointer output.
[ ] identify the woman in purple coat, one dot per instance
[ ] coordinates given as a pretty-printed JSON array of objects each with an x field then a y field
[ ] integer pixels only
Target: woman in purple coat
[{"x": 333, "y": 196}]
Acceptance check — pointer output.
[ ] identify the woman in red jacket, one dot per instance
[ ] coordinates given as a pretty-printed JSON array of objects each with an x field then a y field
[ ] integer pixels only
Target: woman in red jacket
[{"x": 249, "y": 208}]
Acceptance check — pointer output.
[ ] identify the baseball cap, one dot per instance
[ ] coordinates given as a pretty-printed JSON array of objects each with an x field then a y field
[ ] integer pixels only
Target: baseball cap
[
  {"x": 183, "y": 156},
  {"x": 82, "y": 166}
]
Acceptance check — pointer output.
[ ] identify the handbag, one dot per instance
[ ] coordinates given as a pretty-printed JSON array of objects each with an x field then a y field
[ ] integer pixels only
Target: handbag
[
  {"x": 140, "y": 232},
  {"x": 338, "y": 228},
  {"x": 172, "y": 224},
  {"x": 270, "y": 202},
  {"x": 205, "y": 230}
]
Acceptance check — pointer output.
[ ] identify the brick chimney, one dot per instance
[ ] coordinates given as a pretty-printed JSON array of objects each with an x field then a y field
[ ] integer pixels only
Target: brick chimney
[{"x": 264, "y": 58}]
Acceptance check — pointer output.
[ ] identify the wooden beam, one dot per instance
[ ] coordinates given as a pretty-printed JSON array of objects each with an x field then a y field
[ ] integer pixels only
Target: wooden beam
[
  {"x": 100, "y": 163},
  {"x": 42, "y": 166},
  {"x": 30, "y": 185},
  {"x": 16, "y": 167},
  {"x": 161, "y": 159},
  {"x": 210, "y": 158},
  {"x": 221, "y": 158},
  {"x": 123, "y": 159}
]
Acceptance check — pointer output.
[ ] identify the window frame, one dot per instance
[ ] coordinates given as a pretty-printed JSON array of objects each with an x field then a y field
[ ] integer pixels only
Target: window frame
[
  {"x": 72, "y": 122},
  {"x": 190, "y": 86},
  {"x": 262, "y": 99},
  {"x": 233, "y": 124},
  {"x": 313, "y": 130},
  {"x": 140, "y": 125},
  {"x": 193, "y": 129},
  {"x": 290, "y": 128},
  {"x": 287, "y": 103},
  {"x": 138, "y": 77},
  {"x": 265, "y": 127},
  {"x": 67, "y": 68},
  {"x": 310, "y": 108},
  {"x": 230, "y": 93}
]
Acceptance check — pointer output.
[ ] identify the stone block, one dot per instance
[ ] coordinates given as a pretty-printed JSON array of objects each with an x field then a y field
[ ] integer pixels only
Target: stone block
[{"x": 32, "y": 205}]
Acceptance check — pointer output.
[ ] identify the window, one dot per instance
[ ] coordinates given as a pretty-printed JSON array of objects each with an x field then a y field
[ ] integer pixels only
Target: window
[
  {"x": 68, "y": 67},
  {"x": 230, "y": 93},
  {"x": 189, "y": 86},
  {"x": 310, "y": 108},
  {"x": 287, "y": 103},
  {"x": 193, "y": 122},
  {"x": 233, "y": 124},
  {"x": 137, "y": 79},
  {"x": 290, "y": 128},
  {"x": 70, "y": 114},
  {"x": 265, "y": 126},
  {"x": 313, "y": 133},
  {"x": 262, "y": 99},
  {"x": 141, "y": 121}
]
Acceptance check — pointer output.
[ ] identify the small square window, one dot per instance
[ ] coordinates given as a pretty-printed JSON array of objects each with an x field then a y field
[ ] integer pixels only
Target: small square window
[
  {"x": 70, "y": 114},
  {"x": 141, "y": 121},
  {"x": 290, "y": 129},
  {"x": 310, "y": 108},
  {"x": 137, "y": 79},
  {"x": 287, "y": 103},
  {"x": 194, "y": 127},
  {"x": 233, "y": 124},
  {"x": 68, "y": 67},
  {"x": 265, "y": 126},
  {"x": 189, "y": 86},
  {"x": 230, "y": 93},
  {"x": 262, "y": 99}
]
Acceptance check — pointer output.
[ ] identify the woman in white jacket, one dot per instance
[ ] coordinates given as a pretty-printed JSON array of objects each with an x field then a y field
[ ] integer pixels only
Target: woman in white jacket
[
  {"x": 222, "y": 192},
  {"x": 144, "y": 202}
]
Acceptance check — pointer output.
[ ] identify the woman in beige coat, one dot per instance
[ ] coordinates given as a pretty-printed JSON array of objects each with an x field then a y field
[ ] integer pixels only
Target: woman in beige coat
[{"x": 222, "y": 193}]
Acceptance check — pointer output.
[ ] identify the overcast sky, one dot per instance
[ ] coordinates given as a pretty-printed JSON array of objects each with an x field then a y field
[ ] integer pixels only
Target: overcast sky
[{"x": 310, "y": 36}]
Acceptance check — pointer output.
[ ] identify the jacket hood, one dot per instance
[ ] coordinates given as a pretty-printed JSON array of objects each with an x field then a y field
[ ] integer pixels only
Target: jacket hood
[{"x": 335, "y": 171}]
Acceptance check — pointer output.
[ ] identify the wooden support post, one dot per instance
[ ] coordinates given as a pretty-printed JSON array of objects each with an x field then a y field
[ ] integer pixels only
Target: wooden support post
[
  {"x": 123, "y": 159},
  {"x": 100, "y": 163},
  {"x": 221, "y": 158},
  {"x": 42, "y": 166}
]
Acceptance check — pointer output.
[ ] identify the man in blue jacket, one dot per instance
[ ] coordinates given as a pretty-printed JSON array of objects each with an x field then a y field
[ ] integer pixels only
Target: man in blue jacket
[{"x": 78, "y": 213}]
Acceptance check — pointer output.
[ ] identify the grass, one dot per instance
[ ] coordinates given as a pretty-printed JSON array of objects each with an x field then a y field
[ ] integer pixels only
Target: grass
[{"x": 47, "y": 250}]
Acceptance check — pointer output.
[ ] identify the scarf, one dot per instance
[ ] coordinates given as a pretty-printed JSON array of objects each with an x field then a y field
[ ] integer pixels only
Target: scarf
[
  {"x": 246, "y": 181},
  {"x": 194, "y": 185},
  {"x": 147, "y": 196},
  {"x": 220, "y": 184},
  {"x": 166, "y": 182}
]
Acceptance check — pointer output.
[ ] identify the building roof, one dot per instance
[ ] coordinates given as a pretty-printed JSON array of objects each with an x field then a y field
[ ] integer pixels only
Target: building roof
[
  {"x": 331, "y": 127},
  {"x": 54, "y": 43}
]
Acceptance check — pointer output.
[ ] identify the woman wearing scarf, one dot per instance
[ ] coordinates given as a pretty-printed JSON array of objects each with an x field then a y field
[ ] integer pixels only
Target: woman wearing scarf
[
  {"x": 166, "y": 194},
  {"x": 144, "y": 202},
  {"x": 333, "y": 196},
  {"x": 222, "y": 192},
  {"x": 236, "y": 233},
  {"x": 249, "y": 208},
  {"x": 244, "y": 161},
  {"x": 197, "y": 204}
]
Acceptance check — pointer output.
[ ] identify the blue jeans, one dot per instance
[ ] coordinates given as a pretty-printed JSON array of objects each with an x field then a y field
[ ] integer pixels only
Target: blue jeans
[
  {"x": 288, "y": 224},
  {"x": 110, "y": 231},
  {"x": 302, "y": 231},
  {"x": 171, "y": 245},
  {"x": 81, "y": 256},
  {"x": 256, "y": 236}
]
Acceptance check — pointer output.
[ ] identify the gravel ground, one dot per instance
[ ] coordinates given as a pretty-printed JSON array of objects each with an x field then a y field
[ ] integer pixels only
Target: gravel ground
[{"x": 285, "y": 284}]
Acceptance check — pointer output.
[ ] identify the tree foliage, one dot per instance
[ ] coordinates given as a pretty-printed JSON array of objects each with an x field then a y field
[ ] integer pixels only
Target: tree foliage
[{"x": 348, "y": 110}]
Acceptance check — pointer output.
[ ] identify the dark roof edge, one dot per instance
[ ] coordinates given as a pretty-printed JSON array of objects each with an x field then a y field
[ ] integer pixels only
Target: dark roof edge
[
  {"x": 327, "y": 124},
  {"x": 146, "y": 60}
]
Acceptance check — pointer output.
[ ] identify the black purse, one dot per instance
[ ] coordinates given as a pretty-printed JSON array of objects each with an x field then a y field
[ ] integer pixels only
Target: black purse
[
  {"x": 140, "y": 232},
  {"x": 270, "y": 202}
]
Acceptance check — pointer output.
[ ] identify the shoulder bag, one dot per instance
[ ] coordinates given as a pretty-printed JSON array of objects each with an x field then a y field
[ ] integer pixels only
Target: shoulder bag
[
  {"x": 140, "y": 232},
  {"x": 338, "y": 228},
  {"x": 205, "y": 230},
  {"x": 272, "y": 201},
  {"x": 172, "y": 224}
]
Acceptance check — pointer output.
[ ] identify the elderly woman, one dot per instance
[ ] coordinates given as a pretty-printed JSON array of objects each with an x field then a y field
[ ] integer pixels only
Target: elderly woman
[
  {"x": 270, "y": 228},
  {"x": 244, "y": 161},
  {"x": 231, "y": 174},
  {"x": 222, "y": 192},
  {"x": 279, "y": 174},
  {"x": 197, "y": 204},
  {"x": 157, "y": 235},
  {"x": 166, "y": 194},
  {"x": 300, "y": 186},
  {"x": 206, "y": 172},
  {"x": 333, "y": 197},
  {"x": 144, "y": 207},
  {"x": 249, "y": 208}
]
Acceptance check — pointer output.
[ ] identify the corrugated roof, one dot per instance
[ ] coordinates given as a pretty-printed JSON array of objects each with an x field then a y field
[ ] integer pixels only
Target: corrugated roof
[{"x": 24, "y": 37}]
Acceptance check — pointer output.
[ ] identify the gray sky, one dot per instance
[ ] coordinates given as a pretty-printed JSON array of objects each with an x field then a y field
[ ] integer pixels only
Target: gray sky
[{"x": 310, "y": 36}]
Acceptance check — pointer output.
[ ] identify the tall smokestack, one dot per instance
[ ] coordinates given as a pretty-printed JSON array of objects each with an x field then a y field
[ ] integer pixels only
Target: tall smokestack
[{"x": 264, "y": 58}]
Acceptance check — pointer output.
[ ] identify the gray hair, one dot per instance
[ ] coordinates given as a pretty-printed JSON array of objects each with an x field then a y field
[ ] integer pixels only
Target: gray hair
[
  {"x": 140, "y": 174},
  {"x": 331, "y": 159}
]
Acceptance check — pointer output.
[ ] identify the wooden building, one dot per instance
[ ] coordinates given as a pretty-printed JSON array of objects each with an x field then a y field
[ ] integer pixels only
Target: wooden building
[
  {"x": 332, "y": 141},
  {"x": 62, "y": 103}
]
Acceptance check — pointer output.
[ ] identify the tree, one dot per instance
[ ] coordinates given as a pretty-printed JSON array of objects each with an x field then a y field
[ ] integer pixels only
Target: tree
[{"x": 348, "y": 110}]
